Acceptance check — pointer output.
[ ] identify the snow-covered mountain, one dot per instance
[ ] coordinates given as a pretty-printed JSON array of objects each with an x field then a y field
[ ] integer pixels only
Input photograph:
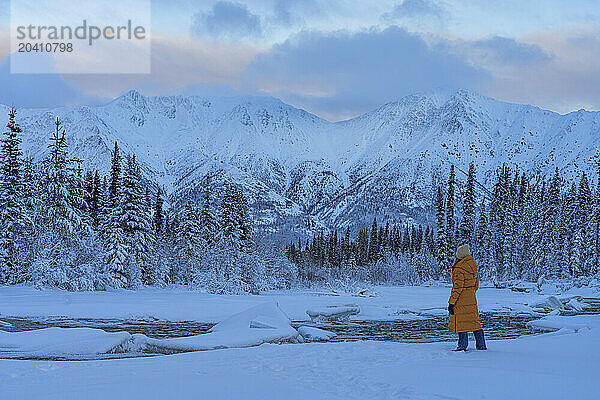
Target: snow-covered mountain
[{"x": 302, "y": 171}]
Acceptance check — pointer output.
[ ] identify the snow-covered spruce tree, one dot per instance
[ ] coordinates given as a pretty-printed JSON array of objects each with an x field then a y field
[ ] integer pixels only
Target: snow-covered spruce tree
[
  {"x": 568, "y": 241},
  {"x": 113, "y": 235},
  {"x": 136, "y": 221},
  {"x": 77, "y": 193},
  {"x": 511, "y": 245},
  {"x": 585, "y": 242},
  {"x": 441, "y": 240},
  {"x": 188, "y": 243},
  {"x": 208, "y": 219},
  {"x": 538, "y": 203},
  {"x": 596, "y": 228},
  {"x": 363, "y": 247},
  {"x": 93, "y": 186},
  {"x": 64, "y": 214},
  {"x": 13, "y": 215},
  {"x": 482, "y": 242},
  {"x": 158, "y": 215},
  {"x": 31, "y": 187},
  {"x": 450, "y": 224},
  {"x": 373, "y": 242},
  {"x": 163, "y": 241},
  {"x": 236, "y": 259},
  {"x": 497, "y": 222},
  {"x": 345, "y": 249},
  {"x": 249, "y": 263},
  {"x": 467, "y": 224},
  {"x": 523, "y": 229},
  {"x": 67, "y": 253},
  {"x": 115, "y": 176},
  {"x": 32, "y": 202}
]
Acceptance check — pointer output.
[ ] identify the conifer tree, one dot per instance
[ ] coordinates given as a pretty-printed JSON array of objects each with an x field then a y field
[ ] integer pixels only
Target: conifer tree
[
  {"x": 468, "y": 214},
  {"x": 188, "y": 239},
  {"x": 373, "y": 242},
  {"x": 442, "y": 241},
  {"x": 64, "y": 196},
  {"x": 158, "y": 217},
  {"x": 13, "y": 218},
  {"x": 137, "y": 225},
  {"x": 113, "y": 234},
  {"x": 115, "y": 177},
  {"x": 208, "y": 219},
  {"x": 450, "y": 238}
]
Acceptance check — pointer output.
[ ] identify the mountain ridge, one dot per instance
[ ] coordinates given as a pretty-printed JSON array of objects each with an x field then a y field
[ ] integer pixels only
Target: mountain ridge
[{"x": 306, "y": 171}]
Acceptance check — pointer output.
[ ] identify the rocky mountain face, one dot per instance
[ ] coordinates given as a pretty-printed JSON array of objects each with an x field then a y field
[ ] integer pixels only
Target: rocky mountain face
[{"x": 302, "y": 172}]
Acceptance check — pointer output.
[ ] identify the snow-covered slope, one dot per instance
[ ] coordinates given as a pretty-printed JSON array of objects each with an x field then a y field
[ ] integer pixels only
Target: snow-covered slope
[{"x": 303, "y": 171}]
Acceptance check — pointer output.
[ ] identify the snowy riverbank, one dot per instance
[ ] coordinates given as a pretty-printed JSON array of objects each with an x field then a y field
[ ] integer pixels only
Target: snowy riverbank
[{"x": 180, "y": 304}]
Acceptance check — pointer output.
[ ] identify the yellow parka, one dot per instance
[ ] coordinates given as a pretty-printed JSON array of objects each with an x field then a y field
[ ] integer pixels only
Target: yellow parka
[{"x": 465, "y": 282}]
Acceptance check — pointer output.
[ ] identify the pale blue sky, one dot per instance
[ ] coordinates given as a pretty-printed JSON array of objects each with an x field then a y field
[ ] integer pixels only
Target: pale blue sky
[{"x": 340, "y": 58}]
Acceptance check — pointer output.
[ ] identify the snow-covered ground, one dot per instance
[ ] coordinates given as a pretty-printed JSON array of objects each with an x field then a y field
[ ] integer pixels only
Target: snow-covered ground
[{"x": 556, "y": 365}]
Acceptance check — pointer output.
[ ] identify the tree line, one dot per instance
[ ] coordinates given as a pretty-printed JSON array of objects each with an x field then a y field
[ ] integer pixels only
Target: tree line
[{"x": 528, "y": 227}]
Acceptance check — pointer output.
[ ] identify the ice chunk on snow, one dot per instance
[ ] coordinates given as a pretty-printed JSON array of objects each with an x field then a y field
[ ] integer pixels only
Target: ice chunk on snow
[
  {"x": 315, "y": 334},
  {"x": 267, "y": 313},
  {"x": 265, "y": 323},
  {"x": 51, "y": 342},
  {"x": 570, "y": 323},
  {"x": 574, "y": 304},
  {"x": 551, "y": 303},
  {"x": 338, "y": 313}
]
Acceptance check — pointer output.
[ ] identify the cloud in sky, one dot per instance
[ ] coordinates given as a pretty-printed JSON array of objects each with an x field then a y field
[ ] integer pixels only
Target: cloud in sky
[
  {"x": 509, "y": 51},
  {"x": 568, "y": 81},
  {"x": 340, "y": 58},
  {"x": 416, "y": 8},
  {"x": 227, "y": 20},
  {"x": 177, "y": 62},
  {"x": 285, "y": 13},
  {"x": 347, "y": 73}
]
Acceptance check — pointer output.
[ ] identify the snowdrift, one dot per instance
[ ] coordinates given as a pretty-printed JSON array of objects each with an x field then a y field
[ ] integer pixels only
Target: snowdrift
[
  {"x": 265, "y": 323},
  {"x": 60, "y": 342}
]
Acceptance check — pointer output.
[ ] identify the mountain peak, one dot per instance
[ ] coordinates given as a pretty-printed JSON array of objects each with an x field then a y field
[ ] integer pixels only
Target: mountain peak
[{"x": 131, "y": 94}]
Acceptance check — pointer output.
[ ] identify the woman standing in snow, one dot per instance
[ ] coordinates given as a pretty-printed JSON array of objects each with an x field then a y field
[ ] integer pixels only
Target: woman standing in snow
[{"x": 462, "y": 306}]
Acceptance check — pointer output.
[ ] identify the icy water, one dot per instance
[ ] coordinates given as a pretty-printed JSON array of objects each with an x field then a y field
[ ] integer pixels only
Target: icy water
[
  {"x": 152, "y": 328},
  {"x": 423, "y": 330},
  {"x": 434, "y": 329}
]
